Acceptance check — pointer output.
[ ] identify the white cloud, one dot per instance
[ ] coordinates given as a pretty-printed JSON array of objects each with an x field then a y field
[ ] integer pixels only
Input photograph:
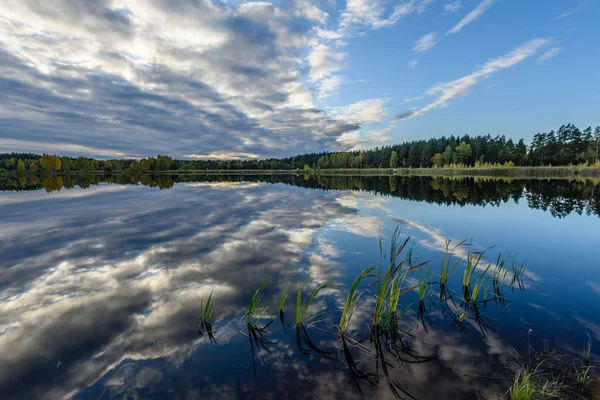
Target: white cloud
[
  {"x": 445, "y": 92},
  {"x": 311, "y": 12},
  {"x": 149, "y": 76},
  {"x": 358, "y": 140},
  {"x": 426, "y": 42},
  {"x": 549, "y": 54},
  {"x": 453, "y": 7},
  {"x": 224, "y": 155},
  {"x": 372, "y": 13},
  {"x": 412, "y": 64},
  {"x": 570, "y": 12},
  {"x": 65, "y": 148},
  {"x": 324, "y": 61},
  {"x": 329, "y": 85},
  {"x": 362, "y": 112},
  {"x": 472, "y": 16},
  {"x": 561, "y": 16},
  {"x": 328, "y": 35}
]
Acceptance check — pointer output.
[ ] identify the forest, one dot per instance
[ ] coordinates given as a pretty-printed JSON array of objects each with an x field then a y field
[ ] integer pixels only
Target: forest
[
  {"x": 568, "y": 145},
  {"x": 559, "y": 197}
]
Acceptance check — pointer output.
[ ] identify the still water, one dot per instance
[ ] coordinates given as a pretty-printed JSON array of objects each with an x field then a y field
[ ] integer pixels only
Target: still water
[{"x": 101, "y": 281}]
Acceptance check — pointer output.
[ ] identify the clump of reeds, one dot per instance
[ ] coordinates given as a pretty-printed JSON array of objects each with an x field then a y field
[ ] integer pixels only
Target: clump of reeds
[
  {"x": 449, "y": 265},
  {"x": 350, "y": 305},
  {"x": 303, "y": 340},
  {"x": 385, "y": 331},
  {"x": 549, "y": 375},
  {"x": 517, "y": 279},
  {"x": 205, "y": 323},
  {"x": 256, "y": 330}
]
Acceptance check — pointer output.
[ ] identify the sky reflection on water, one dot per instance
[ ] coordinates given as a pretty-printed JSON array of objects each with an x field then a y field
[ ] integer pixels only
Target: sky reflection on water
[{"x": 110, "y": 279}]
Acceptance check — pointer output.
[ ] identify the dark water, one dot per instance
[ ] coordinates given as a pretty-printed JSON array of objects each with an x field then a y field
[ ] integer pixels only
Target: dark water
[{"x": 104, "y": 278}]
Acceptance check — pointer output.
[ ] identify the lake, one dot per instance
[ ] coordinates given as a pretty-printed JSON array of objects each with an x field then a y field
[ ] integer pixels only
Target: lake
[{"x": 102, "y": 280}]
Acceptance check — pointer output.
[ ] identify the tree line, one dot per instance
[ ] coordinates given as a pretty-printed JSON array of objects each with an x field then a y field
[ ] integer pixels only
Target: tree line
[
  {"x": 566, "y": 146},
  {"x": 560, "y": 198}
]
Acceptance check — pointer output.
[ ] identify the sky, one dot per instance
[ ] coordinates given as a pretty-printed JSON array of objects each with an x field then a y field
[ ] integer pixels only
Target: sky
[{"x": 255, "y": 79}]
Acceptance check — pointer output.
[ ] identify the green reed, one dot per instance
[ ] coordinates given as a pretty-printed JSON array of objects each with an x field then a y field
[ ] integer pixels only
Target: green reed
[
  {"x": 302, "y": 304},
  {"x": 352, "y": 299},
  {"x": 389, "y": 283},
  {"x": 205, "y": 323},
  {"x": 587, "y": 350},
  {"x": 255, "y": 311},
  {"x": 447, "y": 258}
]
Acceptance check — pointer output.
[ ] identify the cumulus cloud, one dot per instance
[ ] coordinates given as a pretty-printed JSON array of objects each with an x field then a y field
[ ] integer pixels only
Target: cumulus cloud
[
  {"x": 142, "y": 77},
  {"x": 549, "y": 54},
  {"x": 366, "y": 140},
  {"x": 364, "y": 111},
  {"x": 445, "y": 92},
  {"x": 323, "y": 61},
  {"x": 471, "y": 16},
  {"x": 426, "y": 42}
]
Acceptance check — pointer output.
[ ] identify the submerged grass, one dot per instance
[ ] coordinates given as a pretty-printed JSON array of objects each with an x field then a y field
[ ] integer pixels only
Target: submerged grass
[{"x": 549, "y": 375}]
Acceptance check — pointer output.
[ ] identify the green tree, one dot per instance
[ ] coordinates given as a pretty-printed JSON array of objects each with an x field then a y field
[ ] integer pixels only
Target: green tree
[
  {"x": 394, "y": 159},
  {"x": 448, "y": 155},
  {"x": 21, "y": 166},
  {"x": 463, "y": 153},
  {"x": 66, "y": 163},
  {"x": 597, "y": 138},
  {"x": 306, "y": 168}
]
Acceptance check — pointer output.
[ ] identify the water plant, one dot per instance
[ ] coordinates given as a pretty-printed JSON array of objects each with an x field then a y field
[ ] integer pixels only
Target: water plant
[
  {"x": 352, "y": 299},
  {"x": 517, "y": 275},
  {"x": 354, "y": 295},
  {"x": 256, "y": 331},
  {"x": 281, "y": 315},
  {"x": 385, "y": 332},
  {"x": 549, "y": 374},
  {"x": 205, "y": 323},
  {"x": 448, "y": 267},
  {"x": 303, "y": 340},
  {"x": 587, "y": 350}
]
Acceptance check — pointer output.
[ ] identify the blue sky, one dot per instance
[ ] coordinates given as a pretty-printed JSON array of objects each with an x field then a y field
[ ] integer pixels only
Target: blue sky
[{"x": 242, "y": 79}]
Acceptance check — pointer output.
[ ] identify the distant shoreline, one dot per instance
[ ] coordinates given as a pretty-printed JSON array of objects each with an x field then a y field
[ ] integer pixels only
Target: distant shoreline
[{"x": 562, "y": 172}]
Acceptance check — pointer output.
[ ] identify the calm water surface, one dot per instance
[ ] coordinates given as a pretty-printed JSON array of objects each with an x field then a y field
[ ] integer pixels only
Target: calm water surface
[{"x": 101, "y": 282}]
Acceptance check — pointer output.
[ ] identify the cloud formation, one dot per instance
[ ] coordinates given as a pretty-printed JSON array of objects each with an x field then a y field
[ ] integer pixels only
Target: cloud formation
[
  {"x": 144, "y": 77},
  {"x": 445, "y": 92},
  {"x": 549, "y": 54},
  {"x": 453, "y": 7},
  {"x": 426, "y": 42},
  {"x": 471, "y": 16}
]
